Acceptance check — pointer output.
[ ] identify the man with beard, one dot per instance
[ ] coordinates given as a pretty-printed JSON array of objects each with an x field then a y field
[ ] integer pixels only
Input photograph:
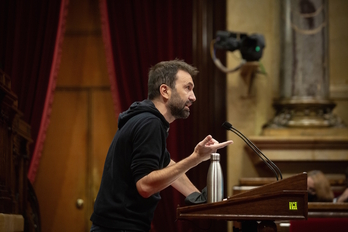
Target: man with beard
[{"x": 138, "y": 165}]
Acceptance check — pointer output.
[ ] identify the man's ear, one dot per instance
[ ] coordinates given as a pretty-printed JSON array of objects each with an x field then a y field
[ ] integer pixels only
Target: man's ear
[{"x": 164, "y": 91}]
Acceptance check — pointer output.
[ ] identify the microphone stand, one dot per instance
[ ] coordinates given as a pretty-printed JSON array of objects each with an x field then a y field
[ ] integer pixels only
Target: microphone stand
[{"x": 269, "y": 163}]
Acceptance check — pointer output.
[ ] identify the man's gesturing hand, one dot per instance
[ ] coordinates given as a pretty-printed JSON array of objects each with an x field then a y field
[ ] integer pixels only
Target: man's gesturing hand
[{"x": 208, "y": 146}]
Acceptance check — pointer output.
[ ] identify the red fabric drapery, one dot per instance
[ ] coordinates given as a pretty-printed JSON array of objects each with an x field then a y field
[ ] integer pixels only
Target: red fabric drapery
[
  {"x": 137, "y": 35},
  {"x": 30, "y": 43}
]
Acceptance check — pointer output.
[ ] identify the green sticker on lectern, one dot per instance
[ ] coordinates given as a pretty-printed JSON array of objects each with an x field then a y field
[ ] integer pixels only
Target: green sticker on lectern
[{"x": 293, "y": 205}]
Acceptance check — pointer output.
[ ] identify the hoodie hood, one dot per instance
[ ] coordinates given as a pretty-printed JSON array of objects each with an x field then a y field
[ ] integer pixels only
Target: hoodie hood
[{"x": 138, "y": 108}]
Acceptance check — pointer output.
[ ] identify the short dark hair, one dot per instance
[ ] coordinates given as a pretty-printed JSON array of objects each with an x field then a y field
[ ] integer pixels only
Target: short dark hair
[{"x": 165, "y": 73}]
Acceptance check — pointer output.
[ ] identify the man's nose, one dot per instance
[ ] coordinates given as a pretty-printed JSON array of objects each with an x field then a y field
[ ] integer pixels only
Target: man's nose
[{"x": 192, "y": 97}]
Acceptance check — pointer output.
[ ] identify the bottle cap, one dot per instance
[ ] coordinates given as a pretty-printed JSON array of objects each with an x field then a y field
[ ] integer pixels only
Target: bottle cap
[{"x": 215, "y": 156}]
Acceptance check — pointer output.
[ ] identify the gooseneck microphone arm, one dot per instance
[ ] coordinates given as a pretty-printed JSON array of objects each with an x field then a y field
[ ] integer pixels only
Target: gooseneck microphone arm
[{"x": 269, "y": 163}]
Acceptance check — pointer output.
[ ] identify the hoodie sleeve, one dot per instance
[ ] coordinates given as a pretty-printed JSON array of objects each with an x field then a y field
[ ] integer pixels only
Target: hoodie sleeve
[{"x": 149, "y": 148}]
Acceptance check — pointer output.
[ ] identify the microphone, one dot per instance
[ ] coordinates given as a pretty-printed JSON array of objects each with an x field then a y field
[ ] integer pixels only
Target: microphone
[{"x": 268, "y": 162}]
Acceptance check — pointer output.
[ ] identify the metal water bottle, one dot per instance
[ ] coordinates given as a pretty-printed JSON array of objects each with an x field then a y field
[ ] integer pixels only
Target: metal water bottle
[{"x": 215, "y": 183}]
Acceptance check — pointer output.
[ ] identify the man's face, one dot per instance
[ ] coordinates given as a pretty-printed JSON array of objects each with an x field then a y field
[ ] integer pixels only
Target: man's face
[{"x": 182, "y": 96}]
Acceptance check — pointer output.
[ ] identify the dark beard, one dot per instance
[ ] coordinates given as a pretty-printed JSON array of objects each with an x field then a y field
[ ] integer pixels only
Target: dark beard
[
  {"x": 178, "y": 112},
  {"x": 177, "y": 108}
]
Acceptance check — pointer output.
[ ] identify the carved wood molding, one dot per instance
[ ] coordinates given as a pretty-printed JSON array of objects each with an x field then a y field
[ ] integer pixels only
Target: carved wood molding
[{"x": 303, "y": 143}]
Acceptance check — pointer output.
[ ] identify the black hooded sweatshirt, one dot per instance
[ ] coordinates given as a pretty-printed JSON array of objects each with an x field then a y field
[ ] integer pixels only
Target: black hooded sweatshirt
[{"x": 138, "y": 148}]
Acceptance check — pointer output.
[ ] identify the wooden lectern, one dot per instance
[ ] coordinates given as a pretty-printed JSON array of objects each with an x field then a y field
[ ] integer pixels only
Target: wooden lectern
[{"x": 286, "y": 199}]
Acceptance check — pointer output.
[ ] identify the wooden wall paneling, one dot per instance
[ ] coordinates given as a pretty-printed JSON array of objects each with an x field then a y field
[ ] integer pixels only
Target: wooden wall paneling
[
  {"x": 209, "y": 112},
  {"x": 15, "y": 137},
  {"x": 103, "y": 129},
  {"x": 8, "y": 111},
  {"x": 79, "y": 131},
  {"x": 61, "y": 178},
  {"x": 83, "y": 61}
]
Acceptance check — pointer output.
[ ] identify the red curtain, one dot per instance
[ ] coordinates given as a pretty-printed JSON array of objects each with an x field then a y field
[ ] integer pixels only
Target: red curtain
[
  {"x": 31, "y": 35},
  {"x": 143, "y": 33}
]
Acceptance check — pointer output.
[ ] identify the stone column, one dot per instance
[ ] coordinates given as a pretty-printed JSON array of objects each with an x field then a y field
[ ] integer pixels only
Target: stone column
[
  {"x": 304, "y": 74},
  {"x": 304, "y": 134}
]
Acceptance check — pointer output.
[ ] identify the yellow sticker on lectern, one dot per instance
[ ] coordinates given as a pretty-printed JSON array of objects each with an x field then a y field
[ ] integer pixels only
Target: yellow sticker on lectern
[{"x": 293, "y": 205}]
